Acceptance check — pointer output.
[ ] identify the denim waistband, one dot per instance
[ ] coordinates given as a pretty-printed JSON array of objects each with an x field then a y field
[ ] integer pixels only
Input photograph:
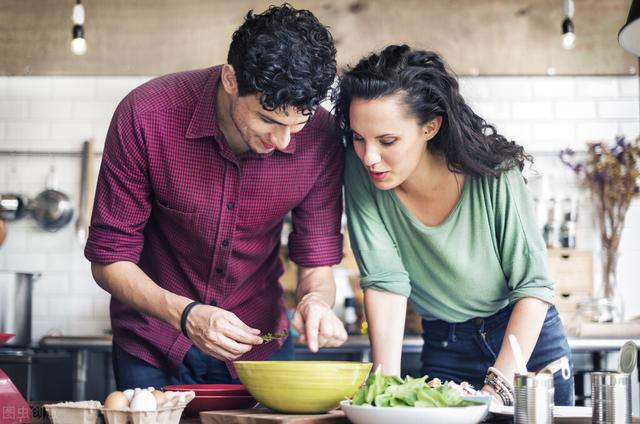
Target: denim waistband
[{"x": 469, "y": 326}]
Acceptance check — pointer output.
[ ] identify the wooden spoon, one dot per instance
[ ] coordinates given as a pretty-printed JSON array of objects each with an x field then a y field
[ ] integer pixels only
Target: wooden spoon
[{"x": 3, "y": 230}]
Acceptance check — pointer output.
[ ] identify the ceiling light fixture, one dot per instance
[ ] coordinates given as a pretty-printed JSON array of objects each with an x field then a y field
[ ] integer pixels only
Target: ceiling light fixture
[
  {"x": 78, "y": 43},
  {"x": 568, "y": 30},
  {"x": 629, "y": 35}
]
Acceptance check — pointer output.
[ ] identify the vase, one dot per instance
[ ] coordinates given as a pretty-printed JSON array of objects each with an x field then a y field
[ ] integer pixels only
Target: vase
[{"x": 612, "y": 309}]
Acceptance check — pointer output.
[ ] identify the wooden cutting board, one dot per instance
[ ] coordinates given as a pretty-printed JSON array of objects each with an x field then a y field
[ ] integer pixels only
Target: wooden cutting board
[{"x": 262, "y": 416}]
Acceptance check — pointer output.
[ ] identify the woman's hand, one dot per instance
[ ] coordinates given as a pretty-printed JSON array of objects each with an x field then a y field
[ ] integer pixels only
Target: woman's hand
[
  {"x": 317, "y": 324},
  {"x": 497, "y": 400},
  {"x": 220, "y": 333}
]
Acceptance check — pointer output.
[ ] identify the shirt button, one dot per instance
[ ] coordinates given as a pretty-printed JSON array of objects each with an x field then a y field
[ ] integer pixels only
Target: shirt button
[
  {"x": 213, "y": 302},
  {"x": 225, "y": 243},
  {"x": 230, "y": 205},
  {"x": 219, "y": 270}
]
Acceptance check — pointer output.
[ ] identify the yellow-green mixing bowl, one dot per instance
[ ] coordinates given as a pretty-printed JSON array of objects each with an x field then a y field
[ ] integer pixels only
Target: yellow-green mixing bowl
[{"x": 304, "y": 387}]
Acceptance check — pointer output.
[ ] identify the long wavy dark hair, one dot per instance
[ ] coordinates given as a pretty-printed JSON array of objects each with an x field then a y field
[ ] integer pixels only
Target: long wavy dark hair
[
  {"x": 284, "y": 55},
  {"x": 468, "y": 142}
]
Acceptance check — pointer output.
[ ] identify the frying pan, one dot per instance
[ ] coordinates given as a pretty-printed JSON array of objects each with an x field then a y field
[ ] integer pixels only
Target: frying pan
[{"x": 52, "y": 209}]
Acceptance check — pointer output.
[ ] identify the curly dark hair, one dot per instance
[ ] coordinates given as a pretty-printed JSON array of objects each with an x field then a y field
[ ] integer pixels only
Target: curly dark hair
[
  {"x": 468, "y": 142},
  {"x": 286, "y": 56}
]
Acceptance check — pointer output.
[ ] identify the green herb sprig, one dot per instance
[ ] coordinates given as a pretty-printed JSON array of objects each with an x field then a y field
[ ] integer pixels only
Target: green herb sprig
[{"x": 269, "y": 337}]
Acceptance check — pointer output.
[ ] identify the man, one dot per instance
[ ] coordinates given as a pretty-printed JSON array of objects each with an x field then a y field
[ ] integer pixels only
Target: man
[{"x": 198, "y": 172}]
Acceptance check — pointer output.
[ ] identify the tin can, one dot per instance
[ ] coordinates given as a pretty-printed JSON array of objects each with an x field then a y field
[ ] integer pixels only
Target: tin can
[
  {"x": 611, "y": 397},
  {"x": 533, "y": 398}
]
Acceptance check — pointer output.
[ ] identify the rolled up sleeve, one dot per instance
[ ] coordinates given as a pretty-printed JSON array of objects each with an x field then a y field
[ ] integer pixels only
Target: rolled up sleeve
[
  {"x": 379, "y": 262},
  {"x": 122, "y": 200},
  {"x": 316, "y": 239},
  {"x": 523, "y": 252}
]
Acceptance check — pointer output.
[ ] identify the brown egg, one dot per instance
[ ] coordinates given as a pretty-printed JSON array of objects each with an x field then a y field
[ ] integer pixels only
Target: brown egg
[
  {"x": 116, "y": 400},
  {"x": 160, "y": 396}
]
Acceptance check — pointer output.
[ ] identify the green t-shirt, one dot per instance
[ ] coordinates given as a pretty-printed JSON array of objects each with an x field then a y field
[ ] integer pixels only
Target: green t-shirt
[{"x": 486, "y": 254}]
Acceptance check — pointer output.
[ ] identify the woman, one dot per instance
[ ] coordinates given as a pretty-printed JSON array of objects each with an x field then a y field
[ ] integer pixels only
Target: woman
[{"x": 439, "y": 213}]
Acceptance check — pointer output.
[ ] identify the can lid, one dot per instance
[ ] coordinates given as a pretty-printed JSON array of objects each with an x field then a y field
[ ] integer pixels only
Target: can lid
[{"x": 628, "y": 357}]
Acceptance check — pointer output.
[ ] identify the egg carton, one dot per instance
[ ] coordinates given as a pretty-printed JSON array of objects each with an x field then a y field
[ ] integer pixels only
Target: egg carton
[
  {"x": 85, "y": 412},
  {"x": 169, "y": 413}
]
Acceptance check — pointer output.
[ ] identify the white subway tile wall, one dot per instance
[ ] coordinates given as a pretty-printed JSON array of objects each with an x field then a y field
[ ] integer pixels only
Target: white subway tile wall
[{"x": 545, "y": 114}]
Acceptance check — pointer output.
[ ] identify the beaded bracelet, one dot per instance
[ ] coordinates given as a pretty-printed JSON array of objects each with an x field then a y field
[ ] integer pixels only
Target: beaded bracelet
[{"x": 500, "y": 385}]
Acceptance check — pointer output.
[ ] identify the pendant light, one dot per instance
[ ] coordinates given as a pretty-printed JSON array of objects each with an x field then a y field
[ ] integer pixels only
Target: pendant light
[
  {"x": 629, "y": 35},
  {"x": 568, "y": 30},
  {"x": 78, "y": 42}
]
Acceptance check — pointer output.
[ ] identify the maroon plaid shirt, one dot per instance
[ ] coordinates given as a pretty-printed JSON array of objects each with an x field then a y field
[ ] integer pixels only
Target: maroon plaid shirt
[{"x": 203, "y": 222}]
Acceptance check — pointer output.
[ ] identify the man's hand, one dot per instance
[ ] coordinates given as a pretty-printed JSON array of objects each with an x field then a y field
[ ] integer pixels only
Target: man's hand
[
  {"x": 220, "y": 333},
  {"x": 316, "y": 323}
]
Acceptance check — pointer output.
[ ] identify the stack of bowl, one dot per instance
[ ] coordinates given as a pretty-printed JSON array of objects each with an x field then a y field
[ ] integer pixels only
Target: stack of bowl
[{"x": 212, "y": 397}]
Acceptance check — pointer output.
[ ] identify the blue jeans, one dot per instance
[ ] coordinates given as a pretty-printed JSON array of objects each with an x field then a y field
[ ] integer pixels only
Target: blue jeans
[
  {"x": 197, "y": 368},
  {"x": 464, "y": 351}
]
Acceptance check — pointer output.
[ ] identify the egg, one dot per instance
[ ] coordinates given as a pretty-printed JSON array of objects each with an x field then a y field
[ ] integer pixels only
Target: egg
[
  {"x": 160, "y": 397},
  {"x": 116, "y": 400},
  {"x": 129, "y": 394},
  {"x": 144, "y": 400}
]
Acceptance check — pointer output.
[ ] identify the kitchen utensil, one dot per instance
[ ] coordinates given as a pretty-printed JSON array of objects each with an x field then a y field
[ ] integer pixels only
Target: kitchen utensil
[
  {"x": 301, "y": 387},
  {"x": 533, "y": 398},
  {"x": 517, "y": 353},
  {"x": 15, "y": 305},
  {"x": 87, "y": 188},
  {"x": 414, "y": 415},
  {"x": 209, "y": 389},
  {"x": 264, "y": 416},
  {"x": 561, "y": 364},
  {"x": 3, "y": 231},
  {"x": 13, "y": 206},
  {"x": 214, "y": 403},
  {"x": 611, "y": 397},
  {"x": 51, "y": 208}
]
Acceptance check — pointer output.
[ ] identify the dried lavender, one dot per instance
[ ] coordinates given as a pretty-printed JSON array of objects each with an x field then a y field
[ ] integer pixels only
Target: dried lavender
[{"x": 611, "y": 174}]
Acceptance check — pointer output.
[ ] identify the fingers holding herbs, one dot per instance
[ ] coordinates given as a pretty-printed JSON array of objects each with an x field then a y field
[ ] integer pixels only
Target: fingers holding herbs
[{"x": 220, "y": 333}]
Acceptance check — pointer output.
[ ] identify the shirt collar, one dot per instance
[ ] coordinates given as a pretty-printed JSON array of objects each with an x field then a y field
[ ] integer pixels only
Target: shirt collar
[{"x": 204, "y": 123}]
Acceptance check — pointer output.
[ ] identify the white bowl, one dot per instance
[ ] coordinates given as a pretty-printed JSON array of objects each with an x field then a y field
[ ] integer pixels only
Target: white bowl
[{"x": 413, "y": 415}]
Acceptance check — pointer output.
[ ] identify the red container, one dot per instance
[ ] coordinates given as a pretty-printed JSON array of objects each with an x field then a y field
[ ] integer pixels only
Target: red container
[
  {"x": 6, "y": 336},
  {"x": 214, "y": 403},
  {"x": 210, "y": 389}
]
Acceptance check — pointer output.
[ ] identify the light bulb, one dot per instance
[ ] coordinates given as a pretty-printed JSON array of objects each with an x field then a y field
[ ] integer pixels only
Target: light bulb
[
  {"x": 568, "y": 40},
  {"x": 568, "y": 34},
  {"x": 79, "y": 46},
  {"x": 78, "y": 14},
  {"x": 78, "y": 43}
]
